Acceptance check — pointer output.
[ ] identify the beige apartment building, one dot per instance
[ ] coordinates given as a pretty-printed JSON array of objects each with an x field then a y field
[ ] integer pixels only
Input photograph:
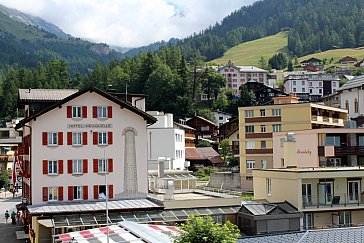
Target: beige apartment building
[
  {"x": 328, "y": 196},
  {"x": 258, "y": 123}
]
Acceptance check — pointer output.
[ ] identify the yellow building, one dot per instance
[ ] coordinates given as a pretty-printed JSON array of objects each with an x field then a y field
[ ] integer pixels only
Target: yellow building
[
  {"x": 328, "y": 197},
  {"x": 257, "y": 124}
]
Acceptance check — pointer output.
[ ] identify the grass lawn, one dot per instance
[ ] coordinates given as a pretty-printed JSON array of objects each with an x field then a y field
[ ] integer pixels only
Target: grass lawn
[{"x": 249, "y": 53}]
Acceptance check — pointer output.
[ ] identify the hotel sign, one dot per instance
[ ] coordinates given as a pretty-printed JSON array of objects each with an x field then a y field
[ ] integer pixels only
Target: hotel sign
[{"x": 89, "y": 125}]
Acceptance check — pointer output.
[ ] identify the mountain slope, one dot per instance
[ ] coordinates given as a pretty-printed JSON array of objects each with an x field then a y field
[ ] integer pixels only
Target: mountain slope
[
  {"x": 316, "y": 25},
  {"x": 22, "y": 44},
  {"x": 250, "y": 52}
]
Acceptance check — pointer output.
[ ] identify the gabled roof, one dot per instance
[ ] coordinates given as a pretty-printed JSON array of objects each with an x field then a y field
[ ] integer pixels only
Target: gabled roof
[
  {"x": 356, "y": 82},
  {"x": 150, "y": 119},
  {"x": 201, "y": 118},
  {"x": 44, "y": 95},
  {"x": 259, "y": 208},
  {"x": 203, "y": 153},
  {"x": 311, "y": 60},
  {"x": 347, "y": 59}
]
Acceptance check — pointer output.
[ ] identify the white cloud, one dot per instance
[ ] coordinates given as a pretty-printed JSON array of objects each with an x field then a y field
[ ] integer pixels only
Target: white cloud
[{"x": 129, "y": 23}]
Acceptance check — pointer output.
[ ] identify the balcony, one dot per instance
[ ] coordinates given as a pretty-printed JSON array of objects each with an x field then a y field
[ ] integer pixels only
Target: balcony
[
  {"x": 326, "y": 119},
  {"x": 328, "y": 201}
]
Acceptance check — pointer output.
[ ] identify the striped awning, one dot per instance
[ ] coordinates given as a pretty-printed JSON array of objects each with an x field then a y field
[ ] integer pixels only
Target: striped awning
[{"x": 123, "y": 232}]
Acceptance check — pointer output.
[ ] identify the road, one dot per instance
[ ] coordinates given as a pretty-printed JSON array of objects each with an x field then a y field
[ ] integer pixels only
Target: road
[{"x": 7, "y": 230}]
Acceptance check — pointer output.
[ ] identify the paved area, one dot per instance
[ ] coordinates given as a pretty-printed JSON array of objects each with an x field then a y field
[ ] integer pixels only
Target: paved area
[{"x": 8, "y": 230}]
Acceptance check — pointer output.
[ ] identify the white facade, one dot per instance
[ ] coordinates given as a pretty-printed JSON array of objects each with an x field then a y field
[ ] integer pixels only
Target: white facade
[
  {"x": 314, "y": 84},
  {"x": 125, "y": 152},
  {"x": 221, "y": 118},
  {"x": 164, "y": 140}
]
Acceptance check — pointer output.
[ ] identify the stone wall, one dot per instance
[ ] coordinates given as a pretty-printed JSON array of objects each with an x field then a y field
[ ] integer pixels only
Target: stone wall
[{"x": 225, "y": 180}]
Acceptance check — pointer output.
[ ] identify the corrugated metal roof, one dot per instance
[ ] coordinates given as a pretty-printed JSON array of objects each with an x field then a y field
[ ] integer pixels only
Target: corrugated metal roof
[
  {"x": 91, "y": 206},
  {"x": 45, "y": 94},
  {"x": 358, "y": 81}
]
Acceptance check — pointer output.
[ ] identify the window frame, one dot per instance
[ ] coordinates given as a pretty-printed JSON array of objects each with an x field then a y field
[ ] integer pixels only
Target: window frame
[
  {"x": 251, "y": 144},
  {"x": 247, "y": 130},
  {"x": 102, "y": 165},
  {"x": 77, "y": 164},
  {"x": 77, "y": 136},
  {"x": 78, "y": 193},
  {"x": 102, "y": 138},
  {"x": 276, "y": 112},
  {"x": 53, "y": 168},
  {"x": 263, "y": 128},
  {"x": 262, "y": 112},
  {"x": 52, "y": 138},
  {"x": 275, "y": 126},
  {"x": 250, "y": 164},
  {"x": 269, "y": 186},
  {"x": 76, "y": 111},
  {"x": 249, "y": 113},
  {"x": 102, "y": 112},
  {"x": 52, "y": 191}
]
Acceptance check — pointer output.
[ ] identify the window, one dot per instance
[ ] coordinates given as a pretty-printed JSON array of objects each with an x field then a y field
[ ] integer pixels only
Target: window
[
  {"x": 307, "y": 221},
  {"x": 262, "y": 112},
  {"x": 77, "y": 193},
  {"x": 361, "y": 140},
  {"x": 250, "y": 144},
  {"x": 303, "y": 90},
  {"x": 347, "y": 105},
  {"x": 221, "y": 118},
  {"x": 276, "y": 112},
  {"x": 206, "y": 128},
  {"x": 356, "y": 108},
  {"x": 102, "y": 138},
  {"x": 76, "y": 111},
  {"x": 333, "y": 84},
  {"x": 102, "y": 166},
  {"x": 294, "y": 90},
  {"x": 345, "y": 218},
  {"x": 249, "y": 129},
  {"x": 320, "y": 84},
  {"x": 277, "y": 127},
  {"x": 249, "y": 113},
  {"x": 310, "y": 91},
  {"x": 263, "y": 144},
  {"x": 269, "y": 186},
  {"x": 77, "y": 166},
  {"x": 76, "y": 138},
  {"x": 52, "y": 138},
  {"x": 102, "y": 192},
  {"x": 310, "y": 84},
  {"x": 294, "y": 83},
  {"x": 264, "y": 164},
  {"x": 320, "y": 91},
  {"x": 52, "y": 193},
  {"x": 250, "y": 164},
  {"x": 333, "y": 141},
  {"x": 53, "y": 167},
  {"x": 101, "y": 112},
  {"x": 263, "y": 128},
  {"x": 303, "y": 82},
  {"x": 179, "y": 154}
]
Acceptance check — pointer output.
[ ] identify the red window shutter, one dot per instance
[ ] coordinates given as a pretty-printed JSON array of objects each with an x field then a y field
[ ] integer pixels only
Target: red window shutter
[
  {"x": 94, "y": 111},
  {"x": 85, "y": 192},
  {"x": 60, "y": 193},
  {"x": 109, "y": 137},
  {"x": 44, "y": 138},
  {"x": 110, "y": 165},
  {"x": 111, "y": 191},
  {"x": 69, "y": 111},
  {"x": 69, "y": 166},
  {"x": 60, "y": 166},
  {"x": 70, "y": 193},
  {"x": 85, "y": 166},
  {"x": 96, "y": 166},
  {"x": 45, "y": 167},
  {"x": 69, "y": 138},
  {"x": 109, "y": 111},
  {"x": 45, "y": 194},
  {"x": 84, "y": 111},
  {"x": 95, "y": 138},
  {"x": 84, "y": 138},
  {"x": 96, "y": 192},
  {"x": 60, "y": 138}
]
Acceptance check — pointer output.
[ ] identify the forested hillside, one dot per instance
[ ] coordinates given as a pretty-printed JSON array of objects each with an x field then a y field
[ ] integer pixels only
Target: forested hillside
[
  {"x": 316, "y": 25},
  {"x": 25, "y": 45}
]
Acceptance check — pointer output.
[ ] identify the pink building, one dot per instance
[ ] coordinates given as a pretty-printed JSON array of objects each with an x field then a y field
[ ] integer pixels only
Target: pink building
[{"x": 74, "y": 138}]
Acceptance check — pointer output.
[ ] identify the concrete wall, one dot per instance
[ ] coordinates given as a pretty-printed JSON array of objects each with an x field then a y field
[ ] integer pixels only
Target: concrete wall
[
  {"x": 225, "y": 180},
  {"x": 56, "y": 121}
]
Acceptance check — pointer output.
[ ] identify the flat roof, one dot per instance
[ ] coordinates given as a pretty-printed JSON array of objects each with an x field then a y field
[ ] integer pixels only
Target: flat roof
[
  {"x": 294, "y": 104},
  {"x": 315, "y": 169},
  {"x": 92, "y": 206}
]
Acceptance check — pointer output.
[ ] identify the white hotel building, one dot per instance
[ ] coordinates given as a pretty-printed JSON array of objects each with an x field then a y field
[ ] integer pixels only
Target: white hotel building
[{"x": 70, "y": 145}]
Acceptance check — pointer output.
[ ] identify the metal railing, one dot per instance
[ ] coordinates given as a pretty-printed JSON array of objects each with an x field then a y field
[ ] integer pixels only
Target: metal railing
[{"x": 329, "y": 200}]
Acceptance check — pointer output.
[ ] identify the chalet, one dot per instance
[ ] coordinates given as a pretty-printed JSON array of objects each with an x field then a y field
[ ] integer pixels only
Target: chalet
[
  {"x": 264, "y": 94},
  {"x": 313, "y": 61},
  {"x": 347, "y": 60},
  {"x": 205, "y": 129}
]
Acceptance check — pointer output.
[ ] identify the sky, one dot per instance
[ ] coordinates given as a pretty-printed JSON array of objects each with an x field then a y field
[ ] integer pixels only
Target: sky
[{"x": 129, "y": 23}]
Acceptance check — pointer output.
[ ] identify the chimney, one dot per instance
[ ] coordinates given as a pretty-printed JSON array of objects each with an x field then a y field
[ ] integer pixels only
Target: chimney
[
  {"x": 290, "y": 151},
  {"x": 160, "y": 162}
]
